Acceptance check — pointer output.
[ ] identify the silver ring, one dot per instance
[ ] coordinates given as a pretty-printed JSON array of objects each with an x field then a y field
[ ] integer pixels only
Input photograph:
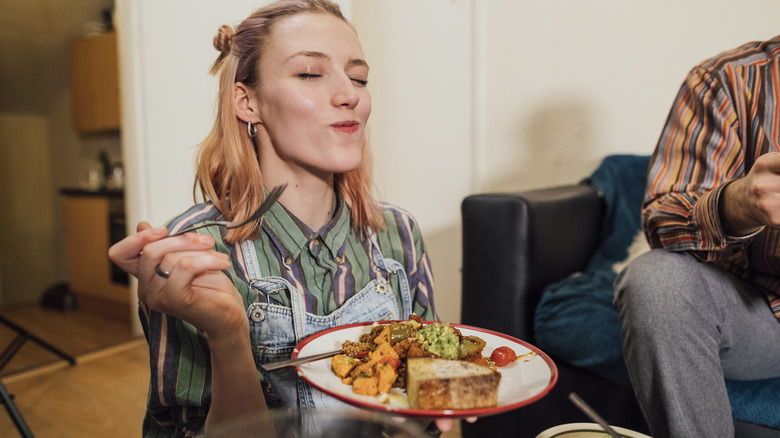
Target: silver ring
[{"x": 160, "y": 272}]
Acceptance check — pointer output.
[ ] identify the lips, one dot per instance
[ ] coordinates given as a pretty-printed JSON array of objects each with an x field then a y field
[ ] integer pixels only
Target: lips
[{"x": 347, "y": 126}]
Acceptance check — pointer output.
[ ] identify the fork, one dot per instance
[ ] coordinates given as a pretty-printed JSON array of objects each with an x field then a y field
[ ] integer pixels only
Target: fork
[
  {"x": 299, "y": 361},
  {"x": 272, "y": 197}
]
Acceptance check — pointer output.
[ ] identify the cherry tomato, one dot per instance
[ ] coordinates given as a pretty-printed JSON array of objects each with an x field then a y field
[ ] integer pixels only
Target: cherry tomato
[{"x": 503, "y": 356}]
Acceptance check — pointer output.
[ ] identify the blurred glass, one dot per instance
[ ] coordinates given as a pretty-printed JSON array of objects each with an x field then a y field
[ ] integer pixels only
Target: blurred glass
[{"x": 319, "y": 424}]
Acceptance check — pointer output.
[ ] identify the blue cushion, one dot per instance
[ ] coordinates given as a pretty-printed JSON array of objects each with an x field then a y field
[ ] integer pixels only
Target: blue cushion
[
  {"x": 576, "y": 321},
  {"x": 756, "y": 401}
]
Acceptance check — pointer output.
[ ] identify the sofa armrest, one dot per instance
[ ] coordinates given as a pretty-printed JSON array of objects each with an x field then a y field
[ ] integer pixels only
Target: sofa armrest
[{"x": 516, "y": 244}]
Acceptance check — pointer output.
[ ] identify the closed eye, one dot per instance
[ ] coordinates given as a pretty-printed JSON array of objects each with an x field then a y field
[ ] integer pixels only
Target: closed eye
[
  {"x": 308, "y": 76},
  {"x": 360, "y": 82}
]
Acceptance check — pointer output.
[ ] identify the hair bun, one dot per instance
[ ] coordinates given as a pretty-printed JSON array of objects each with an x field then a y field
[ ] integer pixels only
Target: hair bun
[{"x": 224, "y": 39}]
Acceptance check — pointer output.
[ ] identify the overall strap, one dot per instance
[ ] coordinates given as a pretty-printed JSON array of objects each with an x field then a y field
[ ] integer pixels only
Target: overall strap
[
  {"x": 251, "y": 264},
  {"x": 297, "y": 299},
  {"x": 386, "y": 267}
]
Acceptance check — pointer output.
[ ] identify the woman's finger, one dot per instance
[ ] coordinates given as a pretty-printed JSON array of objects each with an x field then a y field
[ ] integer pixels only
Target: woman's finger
[
  {"x": 143, "y": 225},
  {"x": 155, "y": 251},
  {"x": 444, "y": 424},
  {"x": 126, "y": 252},
  {"x": 186, "y": 267}
]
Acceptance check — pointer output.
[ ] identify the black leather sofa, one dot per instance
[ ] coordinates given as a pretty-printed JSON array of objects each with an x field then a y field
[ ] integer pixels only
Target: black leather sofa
[{"x": 513, "y": 246}]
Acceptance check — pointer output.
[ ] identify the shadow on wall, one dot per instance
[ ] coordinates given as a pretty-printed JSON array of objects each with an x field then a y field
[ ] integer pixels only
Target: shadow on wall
[{"x": 558, "y": 145}]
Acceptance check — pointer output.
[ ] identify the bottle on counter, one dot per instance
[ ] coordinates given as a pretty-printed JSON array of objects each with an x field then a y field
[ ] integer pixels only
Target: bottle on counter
[
  {"x": 105, "y": 167},
  {"x": 117, "y": 180}
]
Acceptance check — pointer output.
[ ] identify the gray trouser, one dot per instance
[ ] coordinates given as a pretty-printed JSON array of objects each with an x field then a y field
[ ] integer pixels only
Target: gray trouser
[{"x": 685, "y": 326}]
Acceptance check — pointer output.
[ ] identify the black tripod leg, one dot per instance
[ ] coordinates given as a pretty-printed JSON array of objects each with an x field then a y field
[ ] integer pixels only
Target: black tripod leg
[
  {"x": 21, "y": 426},
  {"x": 28, "y": 335},
  {"x": 9, "y": 352}
]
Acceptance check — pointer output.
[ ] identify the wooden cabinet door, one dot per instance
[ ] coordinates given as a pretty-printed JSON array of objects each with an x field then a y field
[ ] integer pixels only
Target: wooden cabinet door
[
  {"x": 94, "y": 83},
  {"x": 89, "y": 269}
]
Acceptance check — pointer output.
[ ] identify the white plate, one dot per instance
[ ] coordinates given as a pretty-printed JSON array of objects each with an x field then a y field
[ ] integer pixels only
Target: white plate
[
  {"x": 523, "y": 382},
  {"x": 586, "y": 430}
]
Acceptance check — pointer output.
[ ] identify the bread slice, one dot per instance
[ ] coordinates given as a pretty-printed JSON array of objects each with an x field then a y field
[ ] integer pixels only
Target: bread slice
[{"x": 436, "y": 383}]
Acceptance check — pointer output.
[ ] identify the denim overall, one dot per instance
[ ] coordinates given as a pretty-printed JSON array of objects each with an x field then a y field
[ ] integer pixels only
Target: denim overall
[{"x": 276, "y": 329}]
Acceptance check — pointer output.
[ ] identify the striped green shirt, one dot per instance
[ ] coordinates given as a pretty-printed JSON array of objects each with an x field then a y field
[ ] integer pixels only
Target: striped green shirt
[{"x": 330, "y": 265}]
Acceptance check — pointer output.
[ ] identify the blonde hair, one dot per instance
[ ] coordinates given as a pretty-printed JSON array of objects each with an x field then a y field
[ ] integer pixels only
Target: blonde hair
[{"x": 228, "y": 173}]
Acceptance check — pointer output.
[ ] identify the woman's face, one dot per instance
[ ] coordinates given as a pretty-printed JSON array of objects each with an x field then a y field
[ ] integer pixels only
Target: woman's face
[{"x": 313, "y": 100}]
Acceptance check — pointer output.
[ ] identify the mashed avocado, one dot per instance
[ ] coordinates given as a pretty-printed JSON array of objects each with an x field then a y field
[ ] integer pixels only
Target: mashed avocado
[{"x": 440, "y": 339}]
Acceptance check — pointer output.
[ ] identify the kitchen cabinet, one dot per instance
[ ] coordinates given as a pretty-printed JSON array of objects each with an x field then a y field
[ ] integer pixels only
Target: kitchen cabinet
[
  {"x": 94, "y": 83},
  {"x": 93, "y": 221}
]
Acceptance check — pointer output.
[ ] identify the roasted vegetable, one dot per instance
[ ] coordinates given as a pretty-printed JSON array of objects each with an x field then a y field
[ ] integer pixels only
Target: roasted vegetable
[{"x": 470, "y": 345}]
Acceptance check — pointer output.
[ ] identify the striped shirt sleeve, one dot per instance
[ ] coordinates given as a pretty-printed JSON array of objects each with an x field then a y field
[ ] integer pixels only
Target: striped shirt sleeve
[
  {"x": 179, "y": 361},
  {"x": 698, "y": 152}
]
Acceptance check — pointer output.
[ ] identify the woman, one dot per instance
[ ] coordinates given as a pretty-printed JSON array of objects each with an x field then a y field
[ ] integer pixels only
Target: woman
[{"x": 293, "y": 107}]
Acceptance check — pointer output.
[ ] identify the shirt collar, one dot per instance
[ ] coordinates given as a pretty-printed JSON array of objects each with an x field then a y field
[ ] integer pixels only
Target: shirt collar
[
  {"x": 292, "y": 236},
  {"x": 335, "y": 232}
]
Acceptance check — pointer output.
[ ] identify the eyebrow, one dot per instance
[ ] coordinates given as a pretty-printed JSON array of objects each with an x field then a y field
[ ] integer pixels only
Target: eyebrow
[{"x": 315, "y": 54}]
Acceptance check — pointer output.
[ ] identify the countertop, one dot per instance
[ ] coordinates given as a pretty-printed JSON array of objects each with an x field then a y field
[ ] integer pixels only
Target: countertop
[{"x": 75, "y": 191}]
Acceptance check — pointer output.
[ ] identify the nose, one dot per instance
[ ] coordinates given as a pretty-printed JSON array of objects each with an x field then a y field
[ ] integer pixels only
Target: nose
[
  {"x": 345, "y": 94},
  {"x": 349, "y": 101}
]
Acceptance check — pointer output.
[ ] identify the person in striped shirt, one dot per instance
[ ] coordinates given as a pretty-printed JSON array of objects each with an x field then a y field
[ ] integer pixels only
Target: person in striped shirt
[
  {"x": 216, "y": 304},
  {"x": 704, "y": 303}
]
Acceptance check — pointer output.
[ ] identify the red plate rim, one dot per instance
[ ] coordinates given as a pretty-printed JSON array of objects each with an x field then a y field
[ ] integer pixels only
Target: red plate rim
[{"x": 434, "y": 413}]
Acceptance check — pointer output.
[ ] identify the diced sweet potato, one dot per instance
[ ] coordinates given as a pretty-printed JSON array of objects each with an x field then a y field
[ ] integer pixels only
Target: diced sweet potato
[
  {"x": 384, "y": 350},
  {"x": 384, "y": 336},
  {"x": 342, "y": 365},
  {"x": 385, "y": 376},
  {"x": 362, "y": 370},
  {"x": 365, "y": 386}
]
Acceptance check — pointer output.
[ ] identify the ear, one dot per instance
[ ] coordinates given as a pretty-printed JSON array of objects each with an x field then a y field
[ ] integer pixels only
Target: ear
[{"x": 245, "y": 103}]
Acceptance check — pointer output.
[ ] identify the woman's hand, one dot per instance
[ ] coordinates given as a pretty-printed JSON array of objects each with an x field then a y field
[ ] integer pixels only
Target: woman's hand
[
  {"x": 196, "y": 290},
  {"x": 127, "y": 252}
]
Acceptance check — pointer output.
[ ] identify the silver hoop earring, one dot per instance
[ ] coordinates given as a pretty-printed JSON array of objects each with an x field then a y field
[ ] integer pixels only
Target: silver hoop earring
[{"x": 251, "y": 129}]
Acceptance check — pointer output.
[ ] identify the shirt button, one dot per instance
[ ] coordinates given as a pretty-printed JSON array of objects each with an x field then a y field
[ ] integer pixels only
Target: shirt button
[
  {"x": 257, "y": 315},
  {"x": 339, "y": 259},
  {"x": 288, "y": 261}
]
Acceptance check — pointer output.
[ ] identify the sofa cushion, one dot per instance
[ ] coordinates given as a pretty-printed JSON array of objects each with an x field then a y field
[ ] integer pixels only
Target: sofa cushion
[{"x": 575, "y": 320}]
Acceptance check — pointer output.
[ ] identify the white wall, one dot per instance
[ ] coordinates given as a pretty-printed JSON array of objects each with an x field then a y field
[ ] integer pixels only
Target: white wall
[
  {"x": 566, "y": 82},
  {"x": 469, "y": 95}
]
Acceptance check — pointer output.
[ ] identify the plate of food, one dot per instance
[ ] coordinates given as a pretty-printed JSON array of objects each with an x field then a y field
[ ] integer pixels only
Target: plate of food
[{"x": 427, "y": 369}]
